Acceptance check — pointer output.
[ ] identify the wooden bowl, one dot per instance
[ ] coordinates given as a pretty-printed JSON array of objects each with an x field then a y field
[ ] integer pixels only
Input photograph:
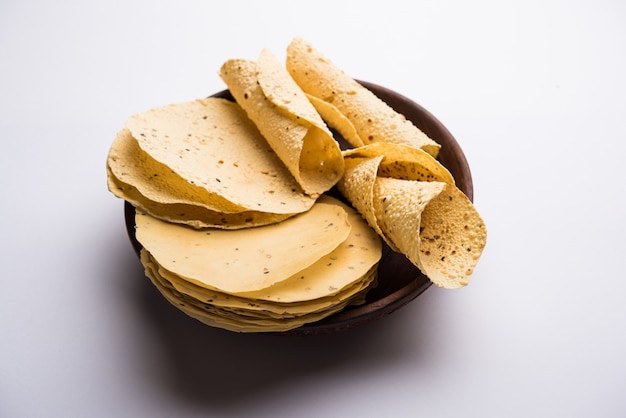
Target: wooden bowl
[{"x": 399, "y": 281}]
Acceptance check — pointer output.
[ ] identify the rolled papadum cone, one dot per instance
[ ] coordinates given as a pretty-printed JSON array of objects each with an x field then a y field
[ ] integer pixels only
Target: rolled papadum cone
[
  {"x": 431, "y": 222},
  {"x": 372, "y": 118},
  {"x": 287, "y": 120}
]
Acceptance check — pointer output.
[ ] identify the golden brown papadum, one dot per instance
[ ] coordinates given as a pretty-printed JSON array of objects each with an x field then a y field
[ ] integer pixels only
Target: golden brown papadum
[
  {"x": 205, "y": 164},
  {"x": 259, "y": 307},
  {"x": 373, "y": 119},
  {"x": 337, "y": 120},
  {"x": 335, "y": 271},
  {"x": 205, "y": 277},
  {"x": 238, "y": 322},
  {"x": 234, "y": 226},
  {"x": 134, "y": 176},
  {"x": 192, "y": 215},
  {"x": 403, "y": 162},
  {"x": 244, "y": 260},
  {"x": 431, "y": 222},
  {"x": 287, "y": 120}
]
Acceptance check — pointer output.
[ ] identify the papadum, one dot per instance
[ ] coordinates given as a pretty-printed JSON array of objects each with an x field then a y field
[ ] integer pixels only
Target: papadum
[
  {"x": 286, "y": 118},
  {"x": 431, "y": 222},
  {"x": 205, "y": 164},
  {"x": 372, "y": 118},
  {"x": 270, "y": 278}
]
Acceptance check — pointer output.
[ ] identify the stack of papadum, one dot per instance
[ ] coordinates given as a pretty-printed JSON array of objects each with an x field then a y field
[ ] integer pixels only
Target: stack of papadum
[{"x": 232, "y": 212}]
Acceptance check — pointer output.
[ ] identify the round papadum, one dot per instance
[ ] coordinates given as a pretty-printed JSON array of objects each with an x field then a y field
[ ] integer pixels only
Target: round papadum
[
  {"x": 203, "y": 272},
  {"x": 192, "y": 215},
  {"x": 373, "y": 119},
  {"x": 129, "y": 164},
  {"x": 257, "y": 308},
  {"x": 244, "y": 260},
  {"x": 144, "y": 182},
  {"x": 238, "y": 321},
  {"x": 220, "y": 318},
  {"x": 287, "y": 120},
  {"x": 335, "y": 271},
  {"x": 211, "y": 145}
]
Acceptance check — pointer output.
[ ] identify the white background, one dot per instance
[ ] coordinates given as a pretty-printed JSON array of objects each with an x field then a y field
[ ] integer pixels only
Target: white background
[{"x": 535, "y": 93}]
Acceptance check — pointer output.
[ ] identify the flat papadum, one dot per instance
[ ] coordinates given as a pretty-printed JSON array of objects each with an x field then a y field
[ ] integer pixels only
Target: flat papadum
[
  {"x": 144, "y": 182},
  {"x": 244, "y": 260},
  {"x": 236, "y": 321},
  {"x": 258, "y": 308},
  {"x": 211, "y": 275},
  {"x": 212, "y": 146},
  {"x": 335, "y": 271}
]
